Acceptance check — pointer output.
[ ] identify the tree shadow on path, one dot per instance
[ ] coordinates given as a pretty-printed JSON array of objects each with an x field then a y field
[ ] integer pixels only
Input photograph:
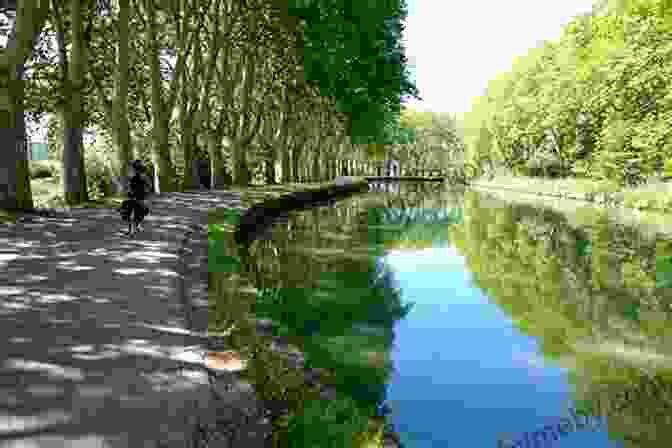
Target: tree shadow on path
[{"x": 96, "y": 349}]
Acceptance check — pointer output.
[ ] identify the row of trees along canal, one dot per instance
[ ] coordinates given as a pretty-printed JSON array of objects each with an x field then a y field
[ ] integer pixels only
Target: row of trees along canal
[
  {"x": 596, "y": 103},
  {"x": 299, "y": 85}
]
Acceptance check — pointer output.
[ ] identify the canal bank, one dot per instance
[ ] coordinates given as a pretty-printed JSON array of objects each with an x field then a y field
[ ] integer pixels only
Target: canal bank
[
  {"x": 261, "y": 215},
  {"x": 648, "y": 208},
  {"x": 245, "y": 345}
]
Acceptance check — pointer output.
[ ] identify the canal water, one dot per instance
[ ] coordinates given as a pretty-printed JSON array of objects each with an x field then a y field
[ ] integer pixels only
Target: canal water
[{"x": 476, "y": 322}]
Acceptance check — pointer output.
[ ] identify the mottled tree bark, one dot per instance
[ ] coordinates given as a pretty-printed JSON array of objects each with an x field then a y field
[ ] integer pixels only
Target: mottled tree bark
[
  {"x": 121, "y": 132},
  {"x": 164, "y": 178},
  {"x": 74, "y": 175},
  {"x": 15, "y": 192}
]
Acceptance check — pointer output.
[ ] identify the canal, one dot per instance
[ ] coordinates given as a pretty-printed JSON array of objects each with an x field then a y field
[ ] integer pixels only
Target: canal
[{"x": 478, "y": 323}]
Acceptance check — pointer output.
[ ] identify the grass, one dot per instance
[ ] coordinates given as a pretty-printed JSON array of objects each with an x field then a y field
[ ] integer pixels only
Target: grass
[
  {"x": 48, "y": 194},
  {"x": 655, "y": 195}
]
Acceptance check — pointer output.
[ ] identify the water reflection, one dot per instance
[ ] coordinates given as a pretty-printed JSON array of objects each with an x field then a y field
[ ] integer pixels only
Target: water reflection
[{"x": 481, "y": 323}]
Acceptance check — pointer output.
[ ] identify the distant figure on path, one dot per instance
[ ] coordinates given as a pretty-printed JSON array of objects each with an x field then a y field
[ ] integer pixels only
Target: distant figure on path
[
  {"x": 134, "y": 209},
  {"x": 392, "y": 168}
]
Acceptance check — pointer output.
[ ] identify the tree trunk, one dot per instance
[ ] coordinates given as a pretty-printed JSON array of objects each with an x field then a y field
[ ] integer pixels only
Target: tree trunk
[
  {"x": 15, "y": 191},
  {"x": 188, "y": 139},
  {"x": 286, "y": 165},
  {"x": 316, "y": 166},
  {"x": 14, "y": 162},
  {"x": 121, "y": 132},
  {"x": 189, "y": 181},
  {"x": 241, "y": 172},
  {"x": 218, "y": 178},
  {"x": 74, "y": 176},
  {"x": 270, "y": 171},
  {"x": 295, "y": 164},
  {"x": 164, "y": 177}
]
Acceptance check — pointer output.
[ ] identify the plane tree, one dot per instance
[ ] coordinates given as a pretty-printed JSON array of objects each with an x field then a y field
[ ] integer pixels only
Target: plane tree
[
  {"x": 30, "y": 17},
  {"x": 233, "y": 67}
]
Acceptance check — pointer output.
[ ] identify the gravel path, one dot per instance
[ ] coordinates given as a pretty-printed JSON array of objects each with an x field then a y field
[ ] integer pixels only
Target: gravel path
[{"x": 103, "y": 335}]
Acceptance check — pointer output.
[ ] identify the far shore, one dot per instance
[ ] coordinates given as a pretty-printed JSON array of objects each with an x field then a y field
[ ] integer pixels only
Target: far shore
[{"x": 648, "y": 207}]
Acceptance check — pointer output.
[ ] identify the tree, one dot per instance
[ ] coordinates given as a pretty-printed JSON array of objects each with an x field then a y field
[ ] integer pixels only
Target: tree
[
  {"x": 74, "y": 174},
  {"x": 30, "y": 16},
  {"x": 595, "y": 101}
]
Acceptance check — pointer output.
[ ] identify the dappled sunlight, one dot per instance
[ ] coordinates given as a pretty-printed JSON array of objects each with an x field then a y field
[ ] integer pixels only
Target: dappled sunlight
[
  {"x": 29, "y": 278},
  {"x": 6, "y": 242},
  {"x": 23, "y": 299},
  {"x": 162, "y": 289},
  {"x": 94, "y": 324},
  {"x": 52, "y": 298},
  {"x": 87, "y": 353},
  {"x": 54, "y": 371},
  {"x": 62, "y": 441},
  {"x": 146, "y": 256},
  {"x": 171, "y": 330},
  {"x": 16, "y": 306},
  {"x": 129, "y": 271},
  {"x": 5, "y": 257},
  {"x": 9, "y": 291},
  {"x": 10, "y": 423},
  {"x": 175, "y": 382},
  {"x": 71, "y": 266}
]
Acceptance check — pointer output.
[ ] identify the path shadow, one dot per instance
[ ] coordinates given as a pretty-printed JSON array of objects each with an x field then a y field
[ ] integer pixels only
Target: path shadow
[{"x": 96, "y": 349}]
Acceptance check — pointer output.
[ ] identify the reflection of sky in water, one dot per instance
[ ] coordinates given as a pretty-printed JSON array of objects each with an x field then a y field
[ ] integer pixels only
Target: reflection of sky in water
[{"x": 464, "y": 375}]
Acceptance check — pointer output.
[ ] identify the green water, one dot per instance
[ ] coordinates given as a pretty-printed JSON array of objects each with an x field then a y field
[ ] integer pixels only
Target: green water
[{"x": 479, "y": 323}]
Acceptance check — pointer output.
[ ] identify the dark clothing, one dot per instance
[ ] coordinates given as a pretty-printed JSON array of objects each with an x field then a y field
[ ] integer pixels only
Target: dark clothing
[
  {"x": 138, "y": 187},
  {"x": 133, "y": 207}
]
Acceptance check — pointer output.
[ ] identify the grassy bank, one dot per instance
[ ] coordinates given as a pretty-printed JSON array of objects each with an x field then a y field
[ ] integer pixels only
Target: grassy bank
[
  {"x": 303, "y": 406},
  {"x": 655, "y": 195}
]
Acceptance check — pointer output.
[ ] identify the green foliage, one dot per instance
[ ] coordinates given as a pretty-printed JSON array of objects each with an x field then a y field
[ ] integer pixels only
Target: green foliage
[
  {"x": 664, "y": 264},
  {"x": 427, "y": 140},
  {"x": 98, "y": 177},
  {"x": 614, "y": 69},
  {"x": 328, "y": 424},
  {"x": 218, "y": 258},
  {"x": 353, "y": 51}
]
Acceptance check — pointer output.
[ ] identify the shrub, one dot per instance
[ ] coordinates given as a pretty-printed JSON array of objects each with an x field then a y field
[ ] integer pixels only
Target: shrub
[{"x": 98, "y": 177}]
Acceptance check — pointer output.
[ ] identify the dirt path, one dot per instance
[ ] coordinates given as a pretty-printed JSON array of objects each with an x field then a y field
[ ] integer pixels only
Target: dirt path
[{"x": 102, "y": 334}]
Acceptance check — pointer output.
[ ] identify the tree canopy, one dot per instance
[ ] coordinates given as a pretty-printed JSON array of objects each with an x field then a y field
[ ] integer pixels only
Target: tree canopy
[
  {"x": 243, "y": 83},
  {"x": 597, "y": 99}
]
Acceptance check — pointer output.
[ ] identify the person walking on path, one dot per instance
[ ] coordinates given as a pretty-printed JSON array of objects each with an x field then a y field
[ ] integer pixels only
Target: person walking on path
[{"x": 135, "y": 208}]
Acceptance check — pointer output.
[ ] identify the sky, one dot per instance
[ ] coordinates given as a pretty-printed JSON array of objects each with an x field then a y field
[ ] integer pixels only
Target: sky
[{"x": 457, "y": 47}]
